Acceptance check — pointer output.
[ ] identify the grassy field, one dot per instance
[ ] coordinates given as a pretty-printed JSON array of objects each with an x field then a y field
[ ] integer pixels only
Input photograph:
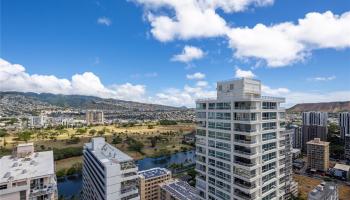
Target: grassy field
[
  {"x": 306, "y": 184},
  {"x": 169, "y": 140}
]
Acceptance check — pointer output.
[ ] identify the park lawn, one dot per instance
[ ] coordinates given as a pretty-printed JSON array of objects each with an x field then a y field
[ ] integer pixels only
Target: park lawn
[
  {"x": 171, "y": 141},
  {"x": 67, "y": 163},
  {"x": 306, "y": 184},
  {"x": 110, "y": 129}
]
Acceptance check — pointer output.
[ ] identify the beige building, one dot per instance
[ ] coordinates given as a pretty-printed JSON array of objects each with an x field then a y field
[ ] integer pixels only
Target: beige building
[
  {"x": 318, "y": 155},
  {"x": 26, "y": 175},
  {"x": 94, "y": 117},
  {"x": 177, "y": 190},
  {"x": 150, "y": 180}
]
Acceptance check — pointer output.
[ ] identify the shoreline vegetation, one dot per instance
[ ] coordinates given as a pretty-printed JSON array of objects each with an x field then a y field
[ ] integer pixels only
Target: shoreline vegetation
[{"x": 151, "y": 139}]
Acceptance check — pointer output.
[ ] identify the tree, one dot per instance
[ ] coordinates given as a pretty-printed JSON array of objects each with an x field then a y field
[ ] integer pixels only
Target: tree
[
  {"x": 150, "y": 127},
  {"x": 3, "y": 133},
  {"x": 25, "y": 135},
  {"x": 92, "y": 132},
  {"x": 81, "y": 131},
  {"x": 100, "y": 132},
  {"x": 117, "y": 140}
]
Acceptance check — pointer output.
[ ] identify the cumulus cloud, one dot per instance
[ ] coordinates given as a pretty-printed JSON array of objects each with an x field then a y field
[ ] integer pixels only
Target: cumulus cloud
[
  {"x": 244, "y": 73},
  {"x": 202, "y": 84},
  {"x": 13, "y": 77},
  {"x": 104, "y": 21},
  {"x": 183, "y": 97},
  {"x": 188, "y": 54},
  {"x": 145, "y": 75},
  {"x": 266, "y": 90},
  {"x": 192, "y": 18},
  {"x": 197, "y": 76},
  {"x": 321, "y": 78},
  {"x": 277, "y": 45}
]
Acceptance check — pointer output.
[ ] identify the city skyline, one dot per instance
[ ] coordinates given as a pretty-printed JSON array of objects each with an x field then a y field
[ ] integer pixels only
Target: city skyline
[{"x": 153, "y": 52}]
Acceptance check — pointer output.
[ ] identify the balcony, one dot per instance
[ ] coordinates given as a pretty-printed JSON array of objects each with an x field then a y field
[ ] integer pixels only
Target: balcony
[
  {"x": 245, "y": 185},
  {"x": 245, "y": 141},
  {"x": 244, "y": 195},
  {"x": 245, "y": 164},
  {"x": 46, "y": 189},
  {"x": 252, "y": 130}
]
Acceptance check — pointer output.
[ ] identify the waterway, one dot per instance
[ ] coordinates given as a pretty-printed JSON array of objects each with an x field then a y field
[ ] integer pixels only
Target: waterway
[{"x": 68, "y": 187}]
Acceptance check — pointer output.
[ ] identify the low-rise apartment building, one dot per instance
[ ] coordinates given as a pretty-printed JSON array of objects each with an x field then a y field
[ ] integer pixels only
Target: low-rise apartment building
[
  {"x": 177, "y": 190},
  {"x": 150, "y": 180},
  {"x": 108, "y": 173},
  {"x": 324, "y": 191},
  {"x": 28, "y": 175},
  {"x": 318, "y": 155}
]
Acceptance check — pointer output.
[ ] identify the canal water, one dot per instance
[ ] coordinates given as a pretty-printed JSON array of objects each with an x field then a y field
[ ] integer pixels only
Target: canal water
[{"x": 68, "y": 187}]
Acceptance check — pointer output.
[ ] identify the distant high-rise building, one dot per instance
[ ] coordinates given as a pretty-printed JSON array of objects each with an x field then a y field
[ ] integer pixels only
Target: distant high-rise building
[
  {"x": 108, "y": 173},
  {"x": 27, "y": 175},
  {"x": 324, "y": 191},
  {"x": 344, "y": 124},
  {"x": 240, "y": 144},
  {"x": 314, "y": 126},
  {"x": 37, "y": 121},
  {"x": 94, "y": 117},
  {"x": 318, "y": 155},
  {"x": 291, "y": 187},
  {"x": 177, "y": 190},
  {"x": 297, "y": 137},
  {"x": 150, "y": 180}
]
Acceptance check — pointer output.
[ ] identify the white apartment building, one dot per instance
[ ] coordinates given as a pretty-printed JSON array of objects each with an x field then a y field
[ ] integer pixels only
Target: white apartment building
[
  {"x": 94, "y": 117},
  {"x": 344, "y": 123},
  {"x": 108, "y": 173},
  {"x": 241, "y": 144},
  {"x": 26, "y": 175},
  {"x": 37, "y": 121},
  {"x": 324, "y": 191}
]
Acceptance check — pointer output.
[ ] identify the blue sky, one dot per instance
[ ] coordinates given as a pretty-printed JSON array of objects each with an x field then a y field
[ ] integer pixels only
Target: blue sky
[{"x": 126, "y": 50}]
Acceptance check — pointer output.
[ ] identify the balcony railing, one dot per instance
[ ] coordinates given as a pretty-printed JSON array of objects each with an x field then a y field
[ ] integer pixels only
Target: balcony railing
[
  {"x": 247, "y": 186},
  {"x": 245, "y": 164},
  {"x": 245, "y": 130},
  {"x": 245, "y": 152},
  {"x": 245, "y": 196},
  {"x": 246, "y": 141}
]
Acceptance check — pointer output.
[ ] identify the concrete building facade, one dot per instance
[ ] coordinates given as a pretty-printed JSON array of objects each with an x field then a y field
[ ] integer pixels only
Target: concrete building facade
[
  {"x": 314, "y": 126},
  {"x": 240, "y": 144},
  {"x": 94, "y": 117},
  {"x": 108, "y": 173},
  {"x": 149, "y": 181},
  {"x": 318, "y": 155},
  {"x": 344, "y": 124},
  {"x": 324, "y": 191},
  {"x": 297, "y": 137},
  {"x": 177, "y": 190},
  {"x": 28, "y": 175}
]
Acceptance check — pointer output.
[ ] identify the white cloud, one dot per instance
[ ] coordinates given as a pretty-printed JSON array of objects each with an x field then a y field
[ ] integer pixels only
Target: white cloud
[
  {"x": 277, "y": 45},
  {"x": 183, "y": 97},
  {"x": 266, "y": 90},
  {"x": 197, "y": 76},
  {"x": 244, "y": 74},
  {"x": 202, "y": 84},
  {"x": 285, "y": 43},
  {"x": 145, "y": 75},
  {"x": 104, "y": 21},
  {"x": 295, "y": 97},
  {"x": 320, "y": 78},
  {"x": 192, "y": 18},
  {"x": 270, "y": 44},
  {"x": 13, "y": 77},
  {"x": 188, "y": 54}
]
